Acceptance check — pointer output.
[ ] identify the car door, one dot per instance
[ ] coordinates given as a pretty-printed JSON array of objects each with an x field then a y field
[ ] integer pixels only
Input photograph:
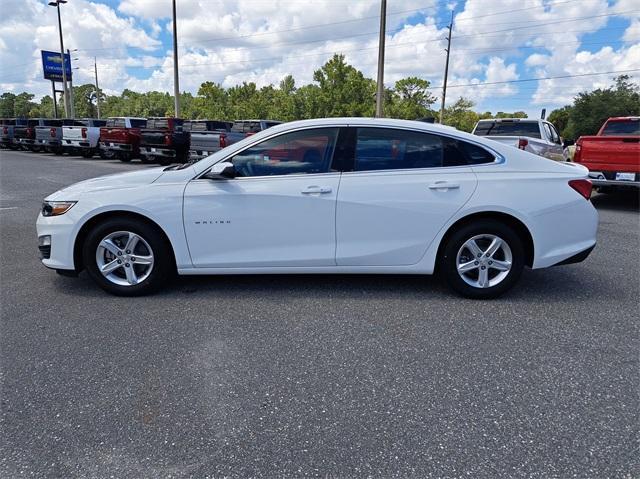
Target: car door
[
  {"x": 404, "y": 187},
  {"x": 553, "y": 148},
  {"x": 278, "y": 211}
]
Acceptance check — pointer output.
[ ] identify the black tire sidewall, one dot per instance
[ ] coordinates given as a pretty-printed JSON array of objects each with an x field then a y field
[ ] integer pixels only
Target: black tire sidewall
[
  {"x": 163, "y": 268},
  {"x": 449, "y": 268}
]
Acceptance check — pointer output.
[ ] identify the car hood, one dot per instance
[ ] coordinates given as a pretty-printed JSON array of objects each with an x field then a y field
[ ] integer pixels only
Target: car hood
[{"x": 109, "y": 182}]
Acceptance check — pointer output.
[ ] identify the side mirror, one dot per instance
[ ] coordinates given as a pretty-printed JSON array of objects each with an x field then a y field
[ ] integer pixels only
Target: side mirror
[{"x": 222, "y": 171}]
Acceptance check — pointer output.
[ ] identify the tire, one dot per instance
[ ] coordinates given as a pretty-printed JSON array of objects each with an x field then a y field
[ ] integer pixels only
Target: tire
[
  {"x": 145, "y": 159},
  {"x": 88, "y": 153},
  {"x": 458, "y": 250},
  {"x": 139, "y": 278},
  {"x": 162, "y": 161},
  {"x": 124, "y": 157}
]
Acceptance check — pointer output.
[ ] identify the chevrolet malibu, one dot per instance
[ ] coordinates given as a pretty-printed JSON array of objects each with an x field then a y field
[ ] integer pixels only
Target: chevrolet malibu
[{"x": 351, "y": 195}]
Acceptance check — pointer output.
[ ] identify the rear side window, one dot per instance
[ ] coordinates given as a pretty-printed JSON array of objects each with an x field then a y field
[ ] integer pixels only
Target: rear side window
[
  {"x": 138, "y": 123},
  {"x": 99, "y": 122},
  {"x": 116, "y": 123},
  {"x": 507, "y": 128},
  {"x": 156, "y": 123},
  {"x": 622, "y": 128},
  {"x": 390, "y": 149}
]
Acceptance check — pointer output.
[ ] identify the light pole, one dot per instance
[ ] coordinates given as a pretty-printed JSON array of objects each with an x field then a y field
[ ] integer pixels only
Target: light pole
[
  {"x": 65, "y": 94},
  {"x": 176, "y": 86},
  {"x": 380, "y": 93}
]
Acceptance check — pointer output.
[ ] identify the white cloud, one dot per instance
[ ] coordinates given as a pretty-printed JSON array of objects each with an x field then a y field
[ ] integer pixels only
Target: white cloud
[{"x": 230, "y": 42}]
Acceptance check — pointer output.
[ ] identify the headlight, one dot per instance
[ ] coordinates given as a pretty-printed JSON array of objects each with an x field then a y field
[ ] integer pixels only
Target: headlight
[{"x": 56, "y": 208}]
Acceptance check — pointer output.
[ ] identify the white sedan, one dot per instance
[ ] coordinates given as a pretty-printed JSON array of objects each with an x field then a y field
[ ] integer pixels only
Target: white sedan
[{"x": 342, "y": 195}]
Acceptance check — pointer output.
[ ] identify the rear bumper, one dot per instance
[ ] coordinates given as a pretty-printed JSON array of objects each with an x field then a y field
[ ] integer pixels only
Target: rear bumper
[
  {"x": 110, "y": 146},
  {"x": 76, "y": 144},
  {"x": 609, "y": 178},
  {"x": 155, "y": 151},
  {"x": 199, "y": 154},
  {"x": 578, "y": 257},
  {"x": 24, "y": 141},
  {"x": 53, "y": 142}
]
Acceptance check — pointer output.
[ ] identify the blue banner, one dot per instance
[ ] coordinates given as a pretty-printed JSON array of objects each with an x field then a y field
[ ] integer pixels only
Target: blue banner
[{"x": 52, "y": 65}]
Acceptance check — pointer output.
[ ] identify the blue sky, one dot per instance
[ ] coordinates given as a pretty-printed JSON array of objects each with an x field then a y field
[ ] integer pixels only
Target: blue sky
[{"x": 498, "y": 42}]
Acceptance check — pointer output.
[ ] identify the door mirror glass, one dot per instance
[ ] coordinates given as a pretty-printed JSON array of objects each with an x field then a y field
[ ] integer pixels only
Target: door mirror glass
[{"x": 221, "y": 171}]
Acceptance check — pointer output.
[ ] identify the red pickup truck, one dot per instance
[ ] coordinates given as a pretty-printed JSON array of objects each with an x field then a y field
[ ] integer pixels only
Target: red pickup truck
[
  {"x": 121, "y": 137},
  {"x": 613, "y": 155}
]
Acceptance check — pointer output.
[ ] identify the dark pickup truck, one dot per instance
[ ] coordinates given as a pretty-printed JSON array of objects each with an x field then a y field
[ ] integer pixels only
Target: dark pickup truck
[
  {"x": 7, "y": 125},
  {"x": 164, "y": 140},
  {"x": 120, "y": 137},
  {"x": 208, "y": 136},
  {"x": 24, "y": 136}
]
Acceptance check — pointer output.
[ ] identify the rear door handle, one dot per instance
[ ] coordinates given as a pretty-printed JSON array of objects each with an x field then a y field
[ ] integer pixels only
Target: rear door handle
[
  {"x": 443, "y": 185},
  {"x": 315, "y": 190}
]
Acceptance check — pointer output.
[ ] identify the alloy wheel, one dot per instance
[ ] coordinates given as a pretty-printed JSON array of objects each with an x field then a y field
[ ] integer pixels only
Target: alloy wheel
[
  {"x": 124, "y": 258},
  {"x": 484, "y": 261}
]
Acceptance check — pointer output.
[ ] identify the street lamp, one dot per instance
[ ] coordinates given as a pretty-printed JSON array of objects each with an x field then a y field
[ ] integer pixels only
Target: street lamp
[{"x": 56, "y": 3}]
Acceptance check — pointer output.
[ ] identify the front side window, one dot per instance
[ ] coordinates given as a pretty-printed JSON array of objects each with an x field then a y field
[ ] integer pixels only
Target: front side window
[
  {"x": 299, "y": 152},
  {"x": 391, "y": 149}
]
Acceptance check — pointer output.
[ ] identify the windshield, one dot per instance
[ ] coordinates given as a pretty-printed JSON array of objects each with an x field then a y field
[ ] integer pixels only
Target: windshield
[{"x": 511, "y": 128}]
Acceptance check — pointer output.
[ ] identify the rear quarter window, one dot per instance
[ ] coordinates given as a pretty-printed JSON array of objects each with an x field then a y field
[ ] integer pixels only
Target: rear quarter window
[{"x": 622, "y": 128}]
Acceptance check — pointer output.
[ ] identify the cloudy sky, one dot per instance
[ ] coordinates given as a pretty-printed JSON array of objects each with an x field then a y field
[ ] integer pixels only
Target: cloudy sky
[{"x": 494, "y": 43}]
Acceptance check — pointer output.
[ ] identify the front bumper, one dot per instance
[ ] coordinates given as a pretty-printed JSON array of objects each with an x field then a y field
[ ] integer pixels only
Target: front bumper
[{"x": 59, "y": 229}]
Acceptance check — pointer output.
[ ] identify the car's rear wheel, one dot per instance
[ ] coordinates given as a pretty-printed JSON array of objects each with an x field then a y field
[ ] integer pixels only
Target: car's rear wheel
[
  {"x": 127, "y": 257},
  {"x": 483, "y": 259}
]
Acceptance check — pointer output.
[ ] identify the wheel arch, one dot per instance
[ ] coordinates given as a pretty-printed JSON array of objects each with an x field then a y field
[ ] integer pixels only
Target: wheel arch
[
  {"x": 516, "y": 224},
  {"x": 100, "y": 217}
]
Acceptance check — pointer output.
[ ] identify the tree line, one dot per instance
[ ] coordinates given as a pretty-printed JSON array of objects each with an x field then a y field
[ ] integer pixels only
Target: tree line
[{"x": 338, "y": 89}]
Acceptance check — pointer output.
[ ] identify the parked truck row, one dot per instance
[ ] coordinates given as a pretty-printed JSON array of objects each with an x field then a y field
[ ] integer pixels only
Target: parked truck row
[{"x": 162, "y": 140}]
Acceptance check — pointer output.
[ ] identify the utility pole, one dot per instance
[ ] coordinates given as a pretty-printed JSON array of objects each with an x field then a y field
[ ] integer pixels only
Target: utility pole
[
  {"x": 95, "y": 69},
  {"x": 176, "y": 85},
  {"x": 72, "y": 106},
  {"x": 65, "y": 94},
  {"x": 446, "y": 70},
  {"x": 380, "y": 91}
]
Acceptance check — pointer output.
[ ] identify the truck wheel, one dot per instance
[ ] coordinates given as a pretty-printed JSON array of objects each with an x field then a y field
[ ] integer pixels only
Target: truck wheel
[
  {"x": 164, "y": 161},
  {"x": 88, "y": 153},
  {"x": 124, "y": 157},
  {"x": 146, "y": 159},
  {"x": 483, "y": 259},
  {"x": 128, "y": 257}
]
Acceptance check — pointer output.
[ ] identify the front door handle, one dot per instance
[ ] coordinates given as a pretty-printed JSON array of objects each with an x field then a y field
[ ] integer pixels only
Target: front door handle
[
  {"x": 443, "y": 185},
  {"x": 315, "y": 190}
]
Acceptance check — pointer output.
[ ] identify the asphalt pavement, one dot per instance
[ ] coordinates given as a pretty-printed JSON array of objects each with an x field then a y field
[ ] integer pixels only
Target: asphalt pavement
[{"x": 329, "y": 376}]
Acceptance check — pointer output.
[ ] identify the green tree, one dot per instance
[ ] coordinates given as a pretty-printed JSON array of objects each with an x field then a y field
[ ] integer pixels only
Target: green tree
[
  {"x": 7, "y": 102},
  {"x": 410, "y": 99},
  {"x": 591, "y": 109},
  {"x": 23, "y": 104},
  {"x": 344, "y": 90},
  {"x": 560, "y": 118},
  {"x": 460, "y": 115}
]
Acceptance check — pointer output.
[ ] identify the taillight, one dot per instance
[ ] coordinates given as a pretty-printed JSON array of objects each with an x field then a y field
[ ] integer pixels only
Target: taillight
[
  {"x": 577, "y": 156},
  {"x": 52, "y": 132},
  {"x": 29, "y": 132},
  {"x": 223, "y": 140},
  {"x": 84, "y": 132},
  {"x": 167, "y": 139},
  {"x": 5, "y": 130},
  {"x": 583, "y": 187},
  {"x": 522, "y": 143},
  {"x": 250, "y": 133}
]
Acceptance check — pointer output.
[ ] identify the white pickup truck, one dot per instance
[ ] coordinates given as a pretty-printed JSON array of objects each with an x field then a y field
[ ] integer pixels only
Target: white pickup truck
[
  {"x": 534, "y": 135},
  {"x": 82, "y": 139}
]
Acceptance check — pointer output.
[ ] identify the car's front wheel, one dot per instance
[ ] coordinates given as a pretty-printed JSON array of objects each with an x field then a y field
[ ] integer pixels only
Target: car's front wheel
[
  {"x": 127, "y": 257},
  {"x": 483, "y": 259}
]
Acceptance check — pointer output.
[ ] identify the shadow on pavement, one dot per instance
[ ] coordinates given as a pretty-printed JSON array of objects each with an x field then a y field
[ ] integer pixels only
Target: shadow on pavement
[{"x": 626, "y": 200}]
